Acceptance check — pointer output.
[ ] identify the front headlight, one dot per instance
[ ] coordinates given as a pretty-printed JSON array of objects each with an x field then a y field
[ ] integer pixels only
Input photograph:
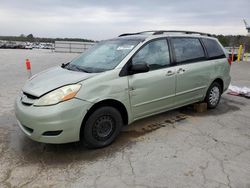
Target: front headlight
[{"x": 61, "y": 94}]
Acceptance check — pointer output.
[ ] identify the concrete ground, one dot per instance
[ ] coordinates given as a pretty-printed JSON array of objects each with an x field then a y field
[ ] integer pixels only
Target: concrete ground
[{"x": 179, "y": 148}]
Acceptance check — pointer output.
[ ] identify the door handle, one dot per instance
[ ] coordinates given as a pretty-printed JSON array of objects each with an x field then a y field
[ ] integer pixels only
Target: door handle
[
  {"x": 170, "y": 73},
  {"x": 181, "y": 70}
]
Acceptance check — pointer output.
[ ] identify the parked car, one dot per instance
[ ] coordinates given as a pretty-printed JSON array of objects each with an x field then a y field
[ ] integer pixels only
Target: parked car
[
  {"x": 119, "y": 81},
  {"x": 10, "y": 45},
  {"x": 20, "y": 45},
  {"x": 29, "y": 47},
  {"x": 1, "y": 44}
]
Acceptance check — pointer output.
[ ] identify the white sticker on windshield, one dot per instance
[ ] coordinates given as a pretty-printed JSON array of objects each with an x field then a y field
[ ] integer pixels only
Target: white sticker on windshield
[{"x": 130, "y": 47}]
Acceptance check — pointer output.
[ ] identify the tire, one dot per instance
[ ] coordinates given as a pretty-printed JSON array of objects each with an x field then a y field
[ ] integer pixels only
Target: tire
[
  {"x": 102, "y": 127},
  {"x": 213, "y": 95}
]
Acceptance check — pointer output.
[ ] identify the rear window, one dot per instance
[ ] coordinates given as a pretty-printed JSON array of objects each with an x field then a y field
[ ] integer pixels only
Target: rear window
[
  {"x": 187, "y": 49},
  {"x": 213, "y": 49}
]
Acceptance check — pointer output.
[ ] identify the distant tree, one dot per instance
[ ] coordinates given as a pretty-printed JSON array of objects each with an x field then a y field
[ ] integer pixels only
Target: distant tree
[
  {"x": 30, "y": 38},
  {"x": 223, "y": 40}
]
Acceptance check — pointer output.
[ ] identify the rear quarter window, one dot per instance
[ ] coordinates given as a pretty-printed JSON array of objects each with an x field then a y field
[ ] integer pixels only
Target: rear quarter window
[
  {"x": 187, "y": 49},
  {"x": 214, "y": 50}
]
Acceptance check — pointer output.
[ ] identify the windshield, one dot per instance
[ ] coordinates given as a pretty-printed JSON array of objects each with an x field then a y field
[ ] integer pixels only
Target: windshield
[{"x": 103, "y": 56}]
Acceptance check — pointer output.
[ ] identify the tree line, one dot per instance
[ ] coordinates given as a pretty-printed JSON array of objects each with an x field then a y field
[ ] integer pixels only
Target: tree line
[
  {"x": 226, "y": 40},
  {"x": 235, "y": 41},
  {"x": 31, "y": 38}
]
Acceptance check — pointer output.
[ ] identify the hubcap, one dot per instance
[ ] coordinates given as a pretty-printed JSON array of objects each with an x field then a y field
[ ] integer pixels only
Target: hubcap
[
  {"x": 103, "y": 128},
  {"x": 214, "y": 95}
]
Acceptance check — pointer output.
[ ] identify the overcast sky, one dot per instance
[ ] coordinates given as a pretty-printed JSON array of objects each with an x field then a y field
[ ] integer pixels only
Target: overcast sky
[{"x": 97, "y": 20}]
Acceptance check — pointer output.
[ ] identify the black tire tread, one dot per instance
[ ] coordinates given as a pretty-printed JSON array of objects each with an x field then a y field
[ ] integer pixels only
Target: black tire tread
[
  {"x": 210, "y": 106},
  {"x": 87, "y": 137}
]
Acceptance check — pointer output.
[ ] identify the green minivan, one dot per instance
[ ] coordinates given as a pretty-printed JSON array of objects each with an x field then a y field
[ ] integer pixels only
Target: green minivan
[{"x": 119, "y": 81}]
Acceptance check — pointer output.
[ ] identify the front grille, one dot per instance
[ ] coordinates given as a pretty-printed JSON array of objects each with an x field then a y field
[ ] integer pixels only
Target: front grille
[
  {"x": 26, "y": 104},
  {"x": 29, "y": 130},
  {"x": 28, "y": 99},
  {"x": 30, "y": 96}
]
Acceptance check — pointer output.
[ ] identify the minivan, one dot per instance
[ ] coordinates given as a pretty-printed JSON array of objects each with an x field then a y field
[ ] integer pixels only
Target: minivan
[{"x": 119, "y": 81}]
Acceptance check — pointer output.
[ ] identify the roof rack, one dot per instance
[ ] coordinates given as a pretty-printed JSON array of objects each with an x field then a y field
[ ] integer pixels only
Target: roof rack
[
  {"x": 139, "y": 33},
  {"x": 180, "y": 31},
  {"x": 159, "y": 32}
]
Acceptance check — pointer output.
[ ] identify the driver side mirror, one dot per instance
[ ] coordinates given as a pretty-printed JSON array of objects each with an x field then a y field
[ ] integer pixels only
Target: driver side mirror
[{"x": 138, "y": 68}]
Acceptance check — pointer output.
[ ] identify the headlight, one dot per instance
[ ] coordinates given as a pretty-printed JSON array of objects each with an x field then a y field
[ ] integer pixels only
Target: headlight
[{"x": 62, "y": 94}]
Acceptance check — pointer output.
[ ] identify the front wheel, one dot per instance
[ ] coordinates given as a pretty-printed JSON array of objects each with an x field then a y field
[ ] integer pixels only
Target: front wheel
[
  {"x": 213, "y": 95},
  {"x": 102, "y": 127}
]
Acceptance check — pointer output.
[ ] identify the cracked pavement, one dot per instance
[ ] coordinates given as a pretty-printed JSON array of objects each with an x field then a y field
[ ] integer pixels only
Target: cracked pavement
[{"x": 179, "y": 148}]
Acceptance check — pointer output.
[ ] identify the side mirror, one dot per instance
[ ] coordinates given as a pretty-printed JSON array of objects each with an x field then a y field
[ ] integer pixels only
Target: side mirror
[{"x": 139, "y": 68}]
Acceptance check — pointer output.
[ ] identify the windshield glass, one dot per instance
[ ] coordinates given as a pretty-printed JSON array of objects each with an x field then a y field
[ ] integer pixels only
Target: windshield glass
[{"x": 103, "y": 56}]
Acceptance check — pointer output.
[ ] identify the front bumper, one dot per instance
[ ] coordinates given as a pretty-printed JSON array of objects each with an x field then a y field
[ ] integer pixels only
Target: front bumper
[{"x": 60, "y": 123}]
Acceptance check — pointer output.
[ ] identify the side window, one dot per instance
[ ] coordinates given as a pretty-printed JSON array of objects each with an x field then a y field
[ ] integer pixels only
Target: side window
[
  {"x": 213, "y": 49},
  {"x": 155, "y": 54},
  {"x": 187, "y": 49}
]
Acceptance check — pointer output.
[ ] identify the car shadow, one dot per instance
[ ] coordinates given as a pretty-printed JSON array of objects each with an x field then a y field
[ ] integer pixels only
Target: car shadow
[{"x": 56, "y": 154}]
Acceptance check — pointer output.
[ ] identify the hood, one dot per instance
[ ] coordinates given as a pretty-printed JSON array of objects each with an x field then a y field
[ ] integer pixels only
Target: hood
[{"x": 53, "y": 78}]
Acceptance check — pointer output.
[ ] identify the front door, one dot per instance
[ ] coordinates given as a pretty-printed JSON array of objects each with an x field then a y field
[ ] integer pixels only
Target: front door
[{"x": 153, "y": 91}]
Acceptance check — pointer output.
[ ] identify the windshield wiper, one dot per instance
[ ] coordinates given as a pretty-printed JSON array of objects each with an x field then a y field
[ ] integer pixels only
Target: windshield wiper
[
  {"x": 64, "y": 65},
  {"x": 74, "y": 68},
  {"x": 81, "y": 69}
]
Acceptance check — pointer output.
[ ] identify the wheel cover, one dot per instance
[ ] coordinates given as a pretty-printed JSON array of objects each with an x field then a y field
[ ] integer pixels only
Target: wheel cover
[
  {"x": 214, "y": 95},
  {"x": 103, "y": 128}
]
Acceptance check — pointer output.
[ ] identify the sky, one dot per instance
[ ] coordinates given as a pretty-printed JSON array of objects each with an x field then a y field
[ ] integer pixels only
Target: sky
[{"x": 97, "y": 20}]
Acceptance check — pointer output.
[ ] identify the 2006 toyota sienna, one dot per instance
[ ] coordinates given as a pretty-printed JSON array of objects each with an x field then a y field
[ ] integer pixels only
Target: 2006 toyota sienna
[{"x": 119, "y": 81}]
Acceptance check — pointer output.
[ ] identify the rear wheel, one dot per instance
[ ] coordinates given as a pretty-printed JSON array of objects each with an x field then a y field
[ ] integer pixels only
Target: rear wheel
[
  {"x": 213, "y": 95},
  {"x": 102, "y": 127}
]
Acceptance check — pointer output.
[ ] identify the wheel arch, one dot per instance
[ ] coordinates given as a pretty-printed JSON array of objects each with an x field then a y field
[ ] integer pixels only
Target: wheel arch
[
  {"x": 219, "y": 81},
  {"x": 107, "y": 102}
]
